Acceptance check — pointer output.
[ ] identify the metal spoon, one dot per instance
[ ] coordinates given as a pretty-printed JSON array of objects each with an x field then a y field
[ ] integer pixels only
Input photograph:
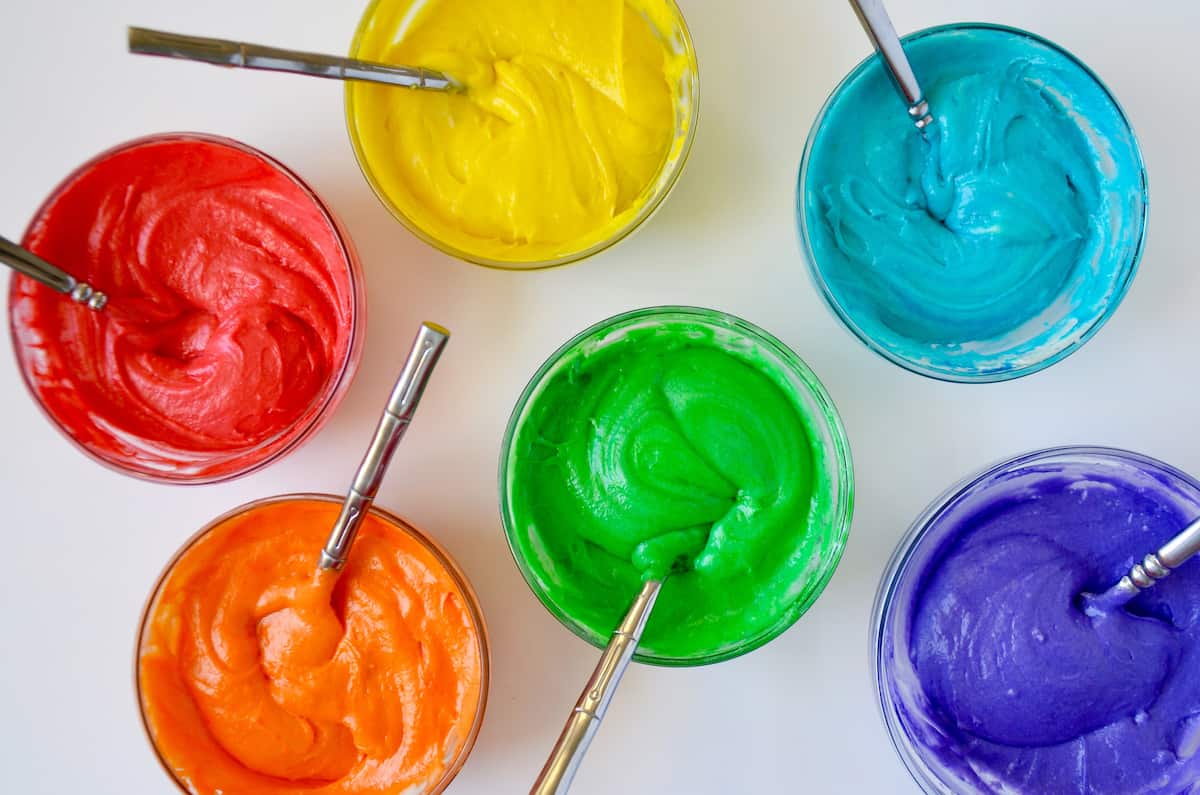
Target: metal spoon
[
  {"x": 556, "y": 776},
  {"x": 1153, "y": 568},
  {"x": 24, "y": 261},
  {"x": 879, "y": 28},
  {"x": 401, "y": 406},
  {"x": 223, "y": 52}
]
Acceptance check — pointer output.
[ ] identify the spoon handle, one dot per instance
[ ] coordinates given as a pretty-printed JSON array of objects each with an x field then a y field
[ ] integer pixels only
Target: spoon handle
[
  {"x": 224, "y": 52},
  {"x": 556, "y": 776},
  {"x": 1182, "y": 547},
  {"x": 878, "y": 25},
  {"x": 402, "y": 405},
  {"x": 1157, "y": 565},
  {"x": 1170, "y": 556},
  {"x": 24, "y": 261}
]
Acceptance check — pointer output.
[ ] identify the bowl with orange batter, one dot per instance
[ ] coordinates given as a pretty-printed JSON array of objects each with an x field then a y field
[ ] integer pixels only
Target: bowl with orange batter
[{"x": 258, "y": 675}]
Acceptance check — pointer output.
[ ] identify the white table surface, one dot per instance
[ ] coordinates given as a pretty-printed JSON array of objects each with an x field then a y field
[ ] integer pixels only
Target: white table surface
[{"x": 82, "y": 545}]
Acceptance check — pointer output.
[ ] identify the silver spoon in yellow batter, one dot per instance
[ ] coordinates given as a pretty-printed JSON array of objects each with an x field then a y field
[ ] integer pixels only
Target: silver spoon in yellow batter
[{"x": 240, "y": 54}]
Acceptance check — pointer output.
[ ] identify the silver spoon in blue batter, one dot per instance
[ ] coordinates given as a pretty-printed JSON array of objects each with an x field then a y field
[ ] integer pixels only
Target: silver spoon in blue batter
[
  {"x": 882, "y": 32},
  {"x": 1153, "y": 568}
]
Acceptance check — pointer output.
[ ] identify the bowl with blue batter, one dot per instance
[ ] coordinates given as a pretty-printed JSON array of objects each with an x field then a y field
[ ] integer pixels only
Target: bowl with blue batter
[
  {"x": 992, "y": 675},
  {"x": 999, "y": 240}
]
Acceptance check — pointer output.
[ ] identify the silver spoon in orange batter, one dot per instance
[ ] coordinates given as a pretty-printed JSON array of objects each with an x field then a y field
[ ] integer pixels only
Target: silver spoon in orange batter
[
  {"x": 307, "y": 612},
  {"x": 240, "y": 54},
  {"x": 397, "y": 415}
]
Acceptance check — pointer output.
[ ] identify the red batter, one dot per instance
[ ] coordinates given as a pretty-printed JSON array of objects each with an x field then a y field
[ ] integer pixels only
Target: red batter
[{"x": 231, "y": 308}]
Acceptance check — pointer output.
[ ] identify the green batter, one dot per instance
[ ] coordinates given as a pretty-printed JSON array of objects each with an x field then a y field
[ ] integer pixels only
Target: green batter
[{"x": 677, "y": 447}]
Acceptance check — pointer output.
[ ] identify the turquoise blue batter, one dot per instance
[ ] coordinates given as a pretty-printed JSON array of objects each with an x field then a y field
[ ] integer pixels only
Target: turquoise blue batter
[{"x": 998, "y": 241}]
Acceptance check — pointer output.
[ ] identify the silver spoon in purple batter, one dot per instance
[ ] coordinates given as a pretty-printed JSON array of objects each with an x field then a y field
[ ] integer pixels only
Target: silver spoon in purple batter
[{"x": 1153, "y": 568}]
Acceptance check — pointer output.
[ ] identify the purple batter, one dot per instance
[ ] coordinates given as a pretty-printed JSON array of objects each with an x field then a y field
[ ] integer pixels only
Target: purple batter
[{"x": 999, "y": 679}]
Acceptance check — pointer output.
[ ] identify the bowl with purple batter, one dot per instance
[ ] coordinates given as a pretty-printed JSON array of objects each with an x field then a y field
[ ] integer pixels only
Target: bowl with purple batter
[{"x": 991, "y": 676}]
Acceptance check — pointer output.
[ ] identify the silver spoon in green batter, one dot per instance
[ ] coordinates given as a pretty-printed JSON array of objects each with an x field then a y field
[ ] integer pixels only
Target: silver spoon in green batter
[
  {"x": 397, "y": 415},
  {"x": 556, "y": 776},
  {"x": 878, "y": 25}
]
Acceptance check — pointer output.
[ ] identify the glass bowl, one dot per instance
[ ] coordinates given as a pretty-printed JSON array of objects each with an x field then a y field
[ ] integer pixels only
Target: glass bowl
[
  {"x": 830, "y": 449},
  {"x": 128, "y": 454},
  {"x": 668, "y": 21},
  {"x": 1035, "y": 343},
  {"x": 900, "y": 695},
  {"x": 470, "y": 604}
]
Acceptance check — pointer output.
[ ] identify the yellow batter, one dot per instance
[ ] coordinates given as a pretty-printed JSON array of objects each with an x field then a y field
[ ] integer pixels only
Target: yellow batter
[{"x": 568, "y": 119}]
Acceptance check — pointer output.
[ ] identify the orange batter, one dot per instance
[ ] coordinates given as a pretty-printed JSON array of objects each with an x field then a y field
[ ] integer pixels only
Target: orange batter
[{"x": 259, "y": 676}]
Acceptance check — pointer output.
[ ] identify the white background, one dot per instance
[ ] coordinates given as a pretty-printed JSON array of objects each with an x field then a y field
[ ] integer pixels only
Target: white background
[{"x": 81, "y": 545}]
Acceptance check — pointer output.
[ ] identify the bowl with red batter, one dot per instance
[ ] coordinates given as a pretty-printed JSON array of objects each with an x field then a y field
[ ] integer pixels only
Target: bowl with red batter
[{"x": 235, "y": 318}]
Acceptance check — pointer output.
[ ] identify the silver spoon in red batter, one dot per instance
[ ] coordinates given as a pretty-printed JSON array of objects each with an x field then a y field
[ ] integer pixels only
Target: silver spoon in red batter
[
  {"x": 26, "y": 262},
  {"x": 1153, "y": 568}
]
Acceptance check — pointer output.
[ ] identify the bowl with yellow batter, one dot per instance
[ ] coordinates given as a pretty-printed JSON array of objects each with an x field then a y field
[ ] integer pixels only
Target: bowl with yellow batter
[
  {"x": 257, "y": 674},
  {"x": 575, "y": 124}
]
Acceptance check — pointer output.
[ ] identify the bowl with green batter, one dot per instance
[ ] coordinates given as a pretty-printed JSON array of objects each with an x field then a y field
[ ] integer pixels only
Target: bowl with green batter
[{"x": 684, "y": 443}]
